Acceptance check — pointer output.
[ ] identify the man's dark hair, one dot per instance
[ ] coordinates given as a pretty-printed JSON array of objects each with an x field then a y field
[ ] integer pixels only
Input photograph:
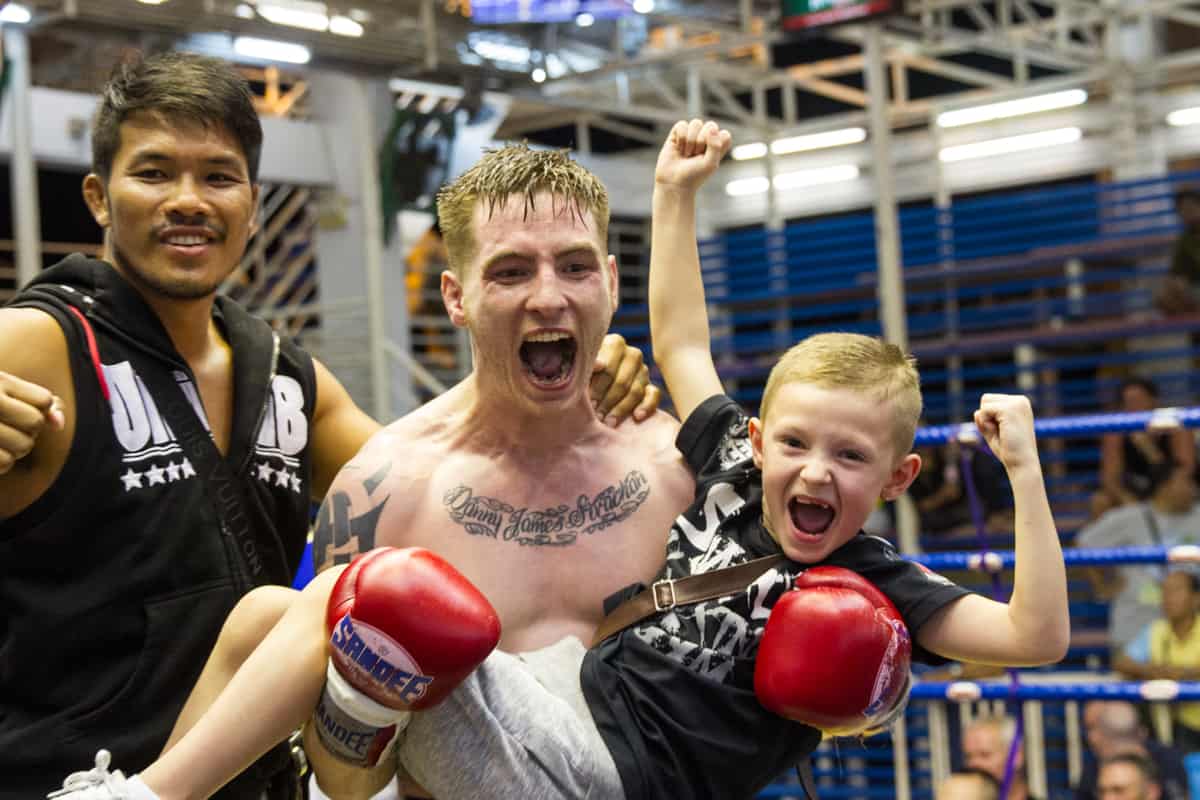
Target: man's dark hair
[
  {"x": 1186, "y": 193},
  {"x": 1145, "y": 384},
  {"x": 181, "y": 87}
]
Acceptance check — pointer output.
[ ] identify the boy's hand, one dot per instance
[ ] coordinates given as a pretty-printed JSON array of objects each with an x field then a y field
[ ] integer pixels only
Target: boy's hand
[
  {"x": 620, "y": 385},
  {"x": 691, "y": 153},
  {"x": 1006, "y": 423}
]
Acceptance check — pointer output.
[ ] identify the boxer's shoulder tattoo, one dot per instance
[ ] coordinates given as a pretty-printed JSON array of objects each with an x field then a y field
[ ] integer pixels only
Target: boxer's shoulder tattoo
[
  {"x": 345, "y": 529},
  {"x": 557, "y": 526}
]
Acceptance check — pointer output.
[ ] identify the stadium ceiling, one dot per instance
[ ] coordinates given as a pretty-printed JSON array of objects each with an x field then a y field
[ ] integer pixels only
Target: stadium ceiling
[{"x": 618, "y": 83}]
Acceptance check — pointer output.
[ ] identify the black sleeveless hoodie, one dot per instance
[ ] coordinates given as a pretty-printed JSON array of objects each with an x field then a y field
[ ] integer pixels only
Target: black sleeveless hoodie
[{"x": 114, "y": 584}]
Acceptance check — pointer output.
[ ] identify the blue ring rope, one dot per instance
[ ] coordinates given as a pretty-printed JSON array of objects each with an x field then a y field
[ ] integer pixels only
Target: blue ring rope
[
  {"x": 1118, "y": 690},
  {"x": 1079, "y": 425},
  {"x": 1100, "y": 556}
]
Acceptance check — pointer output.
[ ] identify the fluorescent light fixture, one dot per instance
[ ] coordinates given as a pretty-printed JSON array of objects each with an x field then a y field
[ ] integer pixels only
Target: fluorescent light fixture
[
  {"x": 244, "y": 11},
  {"x": 502, "y": 50},
  {"x": 585, "y": 20},
  {"x": 555, "y": 67},
  {"x": 798, "y": 144},
  {"x": 643, "y": 6},
  {"x": 1184, "y": 116},
  {"x": 538, "y": 75},
  {"x": 792, "y": 180},
  {"x": 749, "y": 150},
  {"x": 1010, "y": 144},
  {"x": 152, "y": 2},
  {"x": 744, "y": 186},
  {"x": 816, "y": 177},
  {"x": 310, "y": 16},
  {"x": 1012, "y": 108},
  {"x": 344, "y": 26},
  {"x": 15, "y": 13},
  {"x": 270, "y": 50},
  {"x": 816, "y": 141}
]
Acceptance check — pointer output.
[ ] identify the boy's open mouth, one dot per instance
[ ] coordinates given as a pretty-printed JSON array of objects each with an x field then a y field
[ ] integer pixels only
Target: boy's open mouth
[
  {"x": 548, "y": 358},
  {"x": 810, "y": 516}
]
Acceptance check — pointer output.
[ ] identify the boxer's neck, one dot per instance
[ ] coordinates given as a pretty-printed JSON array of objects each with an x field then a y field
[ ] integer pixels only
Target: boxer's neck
[{"x": 494, "y": 420}]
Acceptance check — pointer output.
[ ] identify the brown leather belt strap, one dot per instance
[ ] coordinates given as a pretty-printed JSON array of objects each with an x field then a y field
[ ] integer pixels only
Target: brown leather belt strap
[{"x": 667, "y": 594}]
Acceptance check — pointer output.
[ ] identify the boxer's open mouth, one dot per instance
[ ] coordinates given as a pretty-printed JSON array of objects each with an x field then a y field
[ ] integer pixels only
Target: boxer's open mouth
[
  {"x": 548, "y": 357},
  {"x": 810, "y": 515}
]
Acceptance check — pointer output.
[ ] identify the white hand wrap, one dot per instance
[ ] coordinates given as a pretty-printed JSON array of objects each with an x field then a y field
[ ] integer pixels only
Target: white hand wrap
[{"x": 352, "y": 726}]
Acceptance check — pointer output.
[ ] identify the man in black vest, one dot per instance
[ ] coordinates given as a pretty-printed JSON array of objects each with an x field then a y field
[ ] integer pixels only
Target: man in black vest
[{"x": 159, "y": 446}]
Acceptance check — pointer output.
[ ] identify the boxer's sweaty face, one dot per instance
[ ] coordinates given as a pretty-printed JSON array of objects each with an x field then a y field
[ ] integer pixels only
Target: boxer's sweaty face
[
  {"x": 178, "y": 207},
  {"x": 538, "y": 298}
]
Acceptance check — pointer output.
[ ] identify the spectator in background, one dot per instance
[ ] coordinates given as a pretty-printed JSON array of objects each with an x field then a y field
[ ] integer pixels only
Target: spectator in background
[
  {"x": 1180, "y": 290},
  {"x": 1133, "y": 465},
  {"x": 941, "y": 496},
  {"x": 1169, "y": 648},
  {"x": 985, "y": 744},
  {"x": 1112, "y": 728},
  {"x": 1128, "y": 777},
  {"x": 969, "y": 784},
  {"x": 1171, "y": 517}
]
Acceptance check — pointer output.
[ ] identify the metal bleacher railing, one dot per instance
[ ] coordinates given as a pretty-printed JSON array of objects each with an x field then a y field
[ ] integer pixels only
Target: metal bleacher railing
[{"x": 1044, "y": 291}]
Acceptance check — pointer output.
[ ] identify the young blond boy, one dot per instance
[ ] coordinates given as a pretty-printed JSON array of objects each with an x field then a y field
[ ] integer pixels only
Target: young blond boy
[{"x": 667, "y": 706}]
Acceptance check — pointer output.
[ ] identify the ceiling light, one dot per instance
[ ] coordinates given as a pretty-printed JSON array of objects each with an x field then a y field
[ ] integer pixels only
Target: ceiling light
[
  {"x": 1184, "y": 116},
  {"x": 816, "y": 141},
  {"x": 1012, "y": 108},
  {"x": 1010, "y": 144},
  {"x": 344, "y": 26},
  {"x": 584, "y": 20},
  {"x": 643, "y": 6},
  {"x": 538, "y": 75},
  {"x": 555, "y": 68},
  {"x": 270, "y": 50},
  {"x": 749, "y": 150},
  {"x": 504, "y": 51},
  {"x": 359, "y": 15},
  {"x": 310, "y": 16},
  {"x": 16, "y": 13},
  {"x": 152, "y": 2},
  {"x": 816, "y": 177},
  {"x": 243, "y": 11},
  {"x": 745, "y": 186}
]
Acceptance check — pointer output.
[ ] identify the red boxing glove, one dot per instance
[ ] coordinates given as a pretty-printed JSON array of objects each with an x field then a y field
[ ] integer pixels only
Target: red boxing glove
[
  {"x": 834, "y": 655},
  {"x": 405, "y": 629}
]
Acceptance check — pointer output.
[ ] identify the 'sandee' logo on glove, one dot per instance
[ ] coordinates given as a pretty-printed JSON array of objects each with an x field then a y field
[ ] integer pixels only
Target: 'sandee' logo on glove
[{"x": 372, "y": 655}]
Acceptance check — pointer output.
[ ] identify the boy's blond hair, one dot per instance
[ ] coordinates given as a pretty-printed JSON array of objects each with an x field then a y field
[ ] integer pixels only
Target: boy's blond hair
[
  {"x": 515, "y": 169},
  {"x": 859, "y": 363}
]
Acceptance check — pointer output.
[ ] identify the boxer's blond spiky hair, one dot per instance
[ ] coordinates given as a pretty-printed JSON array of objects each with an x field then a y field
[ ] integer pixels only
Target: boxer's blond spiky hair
[{"x": 515, "y": 169}]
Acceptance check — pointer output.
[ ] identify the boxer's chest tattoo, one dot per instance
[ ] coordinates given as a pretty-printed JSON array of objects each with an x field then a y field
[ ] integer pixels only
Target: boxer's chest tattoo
[
  {"x": 556, "y": 526},
  {"x": 345, "y": 528}
]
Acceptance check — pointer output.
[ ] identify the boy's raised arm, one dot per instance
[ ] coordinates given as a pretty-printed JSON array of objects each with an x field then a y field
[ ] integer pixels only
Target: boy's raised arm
[
  {"x": 1034, "y": 626},
  {"x": 678, "y": 316}
]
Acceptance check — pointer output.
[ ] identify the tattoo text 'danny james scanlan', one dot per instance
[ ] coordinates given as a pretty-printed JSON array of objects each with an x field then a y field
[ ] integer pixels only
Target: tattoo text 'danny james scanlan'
[{"x": 557, "y": 526}]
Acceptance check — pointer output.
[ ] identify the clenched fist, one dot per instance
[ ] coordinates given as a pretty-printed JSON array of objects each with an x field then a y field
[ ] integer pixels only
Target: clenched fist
[{"x": 25, "y": 409}]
